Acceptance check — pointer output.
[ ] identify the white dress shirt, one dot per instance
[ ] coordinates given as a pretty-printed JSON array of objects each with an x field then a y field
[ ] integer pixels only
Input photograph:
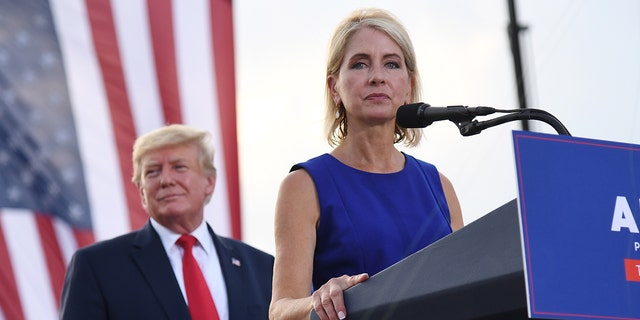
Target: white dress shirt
[{"x": 205, "y": 253}]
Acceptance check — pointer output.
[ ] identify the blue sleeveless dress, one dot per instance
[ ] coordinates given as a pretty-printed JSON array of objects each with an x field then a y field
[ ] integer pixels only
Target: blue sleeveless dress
[{"x": 369, "y": 221}]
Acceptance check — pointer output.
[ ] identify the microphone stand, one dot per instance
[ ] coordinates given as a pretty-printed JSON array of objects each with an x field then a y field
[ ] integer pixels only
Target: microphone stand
[{"x": 469, "y": 127}]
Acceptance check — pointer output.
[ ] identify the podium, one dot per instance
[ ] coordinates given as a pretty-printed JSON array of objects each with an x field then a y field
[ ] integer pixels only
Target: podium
[
  {"x": 577, "y": 257},
  {"x": 474, "y": 273}
]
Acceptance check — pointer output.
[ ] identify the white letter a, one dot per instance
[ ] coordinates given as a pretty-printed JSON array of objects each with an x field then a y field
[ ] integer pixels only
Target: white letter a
[{"x": 622, "y": 216}]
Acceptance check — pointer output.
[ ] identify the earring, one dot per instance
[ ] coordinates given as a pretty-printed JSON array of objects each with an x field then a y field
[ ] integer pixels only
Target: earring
[{"x": 338, "y": 114}]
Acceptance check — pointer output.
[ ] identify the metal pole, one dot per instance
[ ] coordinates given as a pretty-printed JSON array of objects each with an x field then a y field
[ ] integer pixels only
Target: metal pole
[{"x": 514, "y": 40}]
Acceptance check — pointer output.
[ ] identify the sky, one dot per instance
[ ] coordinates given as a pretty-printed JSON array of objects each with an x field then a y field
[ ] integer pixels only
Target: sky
[{"x": 581, "y": 65}]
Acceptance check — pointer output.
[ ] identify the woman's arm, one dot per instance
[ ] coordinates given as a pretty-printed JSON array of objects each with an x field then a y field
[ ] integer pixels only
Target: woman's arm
[
  {"x": 296, "y": 218},
  {"x": 454, "y": 205},
  {"x": 297, "y": 213}
]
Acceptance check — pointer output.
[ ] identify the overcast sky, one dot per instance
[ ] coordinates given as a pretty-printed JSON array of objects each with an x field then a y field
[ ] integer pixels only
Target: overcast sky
[{"x": 581, "y": 61}]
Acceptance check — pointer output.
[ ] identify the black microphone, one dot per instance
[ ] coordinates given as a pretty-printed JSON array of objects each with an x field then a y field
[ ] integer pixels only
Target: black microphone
[{"x": 420, "y": 115}]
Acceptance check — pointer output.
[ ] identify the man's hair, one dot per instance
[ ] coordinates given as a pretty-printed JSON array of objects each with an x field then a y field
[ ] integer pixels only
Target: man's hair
[{"x": 173, "y": 135}]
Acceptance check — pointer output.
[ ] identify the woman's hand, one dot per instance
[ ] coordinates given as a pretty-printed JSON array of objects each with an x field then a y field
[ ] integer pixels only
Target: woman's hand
[{"x": 328, "y": 301}]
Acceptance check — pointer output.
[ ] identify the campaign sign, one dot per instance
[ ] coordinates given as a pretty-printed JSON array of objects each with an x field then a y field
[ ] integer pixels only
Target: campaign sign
[{"x": 579, "y": 216}]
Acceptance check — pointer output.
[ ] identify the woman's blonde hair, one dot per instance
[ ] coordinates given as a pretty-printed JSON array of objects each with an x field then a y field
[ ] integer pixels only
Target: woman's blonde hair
[{"x": 381, "y": 20}]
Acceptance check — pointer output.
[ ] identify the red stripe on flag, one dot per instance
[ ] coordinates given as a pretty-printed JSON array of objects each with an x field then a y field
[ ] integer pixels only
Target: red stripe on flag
[
  {"x": 161, "y": 28},
  {"x": 223, "y": 52},
  {"x": 106, "y": 44},
  {"x": 9, "y": 297},
  {"x": 52, "y": 253},
  {"x": 83, "y": 237}
]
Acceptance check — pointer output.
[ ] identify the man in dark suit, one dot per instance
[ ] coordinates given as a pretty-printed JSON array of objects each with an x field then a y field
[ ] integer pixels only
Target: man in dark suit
[{"x": 140, "y": 275}]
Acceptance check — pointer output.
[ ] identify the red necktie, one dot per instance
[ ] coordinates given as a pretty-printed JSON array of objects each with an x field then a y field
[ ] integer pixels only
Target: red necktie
[{"x": 199, "y": 299}]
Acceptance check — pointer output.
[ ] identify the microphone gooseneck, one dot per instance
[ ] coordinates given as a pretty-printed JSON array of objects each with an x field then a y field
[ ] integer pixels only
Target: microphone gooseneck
[{"x": 420, "y": 115}]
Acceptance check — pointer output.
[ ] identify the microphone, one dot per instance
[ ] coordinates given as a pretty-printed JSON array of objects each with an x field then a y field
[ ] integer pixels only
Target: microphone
[{"x": 420, "y": 115}]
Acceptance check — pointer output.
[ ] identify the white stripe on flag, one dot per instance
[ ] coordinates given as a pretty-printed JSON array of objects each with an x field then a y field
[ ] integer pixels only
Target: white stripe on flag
[
  {"x": 134, "y": 39},
  {"x": 110, "y": 215},
  {"x": 29, "y": 265},
  {"x": 198, "y": 95},
  {"x": 66, "y": 239}
]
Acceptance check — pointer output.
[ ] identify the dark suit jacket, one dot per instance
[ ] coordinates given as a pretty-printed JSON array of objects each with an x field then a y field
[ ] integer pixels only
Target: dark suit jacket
[{"x": 130, "y": 277}]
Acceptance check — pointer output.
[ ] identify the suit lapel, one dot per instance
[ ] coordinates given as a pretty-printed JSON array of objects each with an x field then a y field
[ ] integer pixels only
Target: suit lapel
[
  {"x": 151, "y": 258},
  {"x": 232, "y": 269}
]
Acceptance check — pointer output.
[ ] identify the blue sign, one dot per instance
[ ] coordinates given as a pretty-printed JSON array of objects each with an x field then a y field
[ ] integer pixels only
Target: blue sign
[{"x": 580, "y": 213}]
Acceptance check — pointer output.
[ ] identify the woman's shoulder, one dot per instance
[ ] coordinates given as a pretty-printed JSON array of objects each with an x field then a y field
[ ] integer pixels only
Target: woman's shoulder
[
  {"x": 311, "y": 163},
  {"x": 411, "y": 160}
]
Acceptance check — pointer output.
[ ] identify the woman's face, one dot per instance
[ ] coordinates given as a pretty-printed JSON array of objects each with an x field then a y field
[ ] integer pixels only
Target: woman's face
[{"x": 373, "y": 80}]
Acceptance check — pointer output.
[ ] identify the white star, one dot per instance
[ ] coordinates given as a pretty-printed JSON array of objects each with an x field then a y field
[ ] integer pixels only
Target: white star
[
  {"x": 14, "y": 193},
  {"x": 75, "y": 212}
]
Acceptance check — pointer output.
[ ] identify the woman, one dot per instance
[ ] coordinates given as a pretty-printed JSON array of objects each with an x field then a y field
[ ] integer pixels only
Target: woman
[{"x": 365, "y": 205}]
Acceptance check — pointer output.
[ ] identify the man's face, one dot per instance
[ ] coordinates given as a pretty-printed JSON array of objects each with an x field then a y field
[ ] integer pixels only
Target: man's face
[{"x": 174, "y": 188}]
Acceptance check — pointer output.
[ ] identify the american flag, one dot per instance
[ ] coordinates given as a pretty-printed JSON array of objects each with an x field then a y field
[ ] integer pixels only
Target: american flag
[{"x": 79, "y": 80}]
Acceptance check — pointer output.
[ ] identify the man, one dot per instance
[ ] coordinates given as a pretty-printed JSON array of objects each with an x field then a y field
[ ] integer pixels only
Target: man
[{"x": 140, "y": 275}]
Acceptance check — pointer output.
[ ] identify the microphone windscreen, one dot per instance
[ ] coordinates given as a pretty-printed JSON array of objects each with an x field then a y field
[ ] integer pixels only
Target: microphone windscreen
[{"x": 407, "y": 116}]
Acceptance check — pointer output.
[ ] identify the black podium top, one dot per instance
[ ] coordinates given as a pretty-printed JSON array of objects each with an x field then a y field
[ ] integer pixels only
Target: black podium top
[{"x": 474, "y": 273}]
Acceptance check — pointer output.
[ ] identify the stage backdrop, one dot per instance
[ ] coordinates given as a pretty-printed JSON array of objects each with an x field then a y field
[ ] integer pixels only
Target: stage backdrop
[{"x": 79, "y": 80}]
